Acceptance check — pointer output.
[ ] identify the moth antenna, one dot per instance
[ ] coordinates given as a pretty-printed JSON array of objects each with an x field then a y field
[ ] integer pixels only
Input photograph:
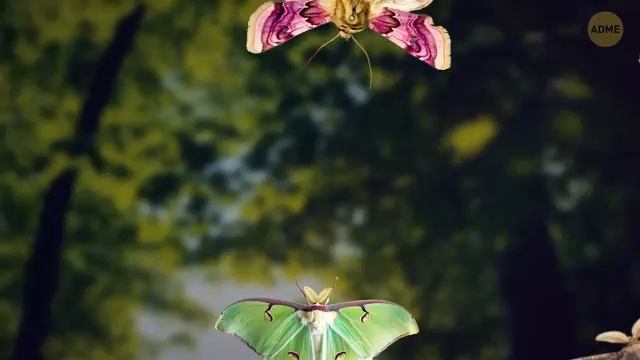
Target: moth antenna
[
  {"x": 302, "y": 291},
  {"x": 368, "y": 61},
  {"x": 320, "y": 48}
]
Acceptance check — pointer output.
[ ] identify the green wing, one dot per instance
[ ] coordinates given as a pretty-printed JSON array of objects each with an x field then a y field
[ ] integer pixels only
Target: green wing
[
  {"x": 368, "y": 327},
  {"x": 270, "y": 327},
  {"x": 335, "y": 347},
  {"x": 299, "y": 348}
]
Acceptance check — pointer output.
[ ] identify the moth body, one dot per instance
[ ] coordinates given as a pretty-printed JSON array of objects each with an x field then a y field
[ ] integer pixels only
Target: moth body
[
  {"x": 317, "y": 320},
  {"x": 350, "y": 16},
  {"x": 355, "y": 330},
  {"x": 277, "y": 22}
]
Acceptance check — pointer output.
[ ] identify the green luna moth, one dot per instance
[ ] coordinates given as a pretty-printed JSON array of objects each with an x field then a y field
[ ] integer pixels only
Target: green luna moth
[{"x": 282, "y": 330}]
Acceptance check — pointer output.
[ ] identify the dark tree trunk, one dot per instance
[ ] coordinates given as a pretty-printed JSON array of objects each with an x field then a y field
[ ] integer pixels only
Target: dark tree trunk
[
  {"x": 42, "y": 271},
  {"x": 540, "y": 311}
]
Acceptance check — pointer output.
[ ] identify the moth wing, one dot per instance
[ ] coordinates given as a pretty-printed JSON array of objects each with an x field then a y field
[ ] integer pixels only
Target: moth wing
[
  {"x": 335, "y": 347},
  {"x": 301, "y": 346},
  {"x": 324, "y": 295},
  {"x": 405, "y": 5},
  {"x": 370, "y": 326},
  {"x": 274, "y": 23},
  {"x": 267, "y": 326},
  {"x": 310, "y": 294},
  {"x": 416, "y": 34}
]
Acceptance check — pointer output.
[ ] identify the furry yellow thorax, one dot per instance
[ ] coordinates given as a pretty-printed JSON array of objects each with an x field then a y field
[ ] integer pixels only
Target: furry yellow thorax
[{"x": 351, "y": 16}]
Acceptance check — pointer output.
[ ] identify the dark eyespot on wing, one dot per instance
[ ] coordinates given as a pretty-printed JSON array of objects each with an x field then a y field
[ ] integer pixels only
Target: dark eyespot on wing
[
  {"x": 267, "y": 315},
  {"x": 293, "y": 356},
  {"x": 365, "y": 316},
  {"x": 341, "y": 356}
]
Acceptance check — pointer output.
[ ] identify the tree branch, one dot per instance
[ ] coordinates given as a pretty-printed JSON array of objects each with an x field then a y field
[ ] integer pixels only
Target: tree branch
[
  {"x": 629, "y": 352},
  {"x": 607, "y": 356},
  {"x": 42, "y": 269}
]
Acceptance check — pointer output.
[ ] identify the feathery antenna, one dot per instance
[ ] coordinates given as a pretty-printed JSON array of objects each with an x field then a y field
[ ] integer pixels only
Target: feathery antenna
[{"x": 302, "y": 291}]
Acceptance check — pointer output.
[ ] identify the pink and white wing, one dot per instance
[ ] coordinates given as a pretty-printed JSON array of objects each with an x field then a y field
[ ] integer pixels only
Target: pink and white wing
[
  {"x": 404, "y": 5},
  {"x": 416, "y": 34},
  {"x": 278, "y": 21}
]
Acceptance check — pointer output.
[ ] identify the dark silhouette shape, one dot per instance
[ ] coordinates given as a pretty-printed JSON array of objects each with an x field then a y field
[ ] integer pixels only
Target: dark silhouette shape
[
  {"x": 42, "y": 269},
  {"x": 540, "y": 309}
]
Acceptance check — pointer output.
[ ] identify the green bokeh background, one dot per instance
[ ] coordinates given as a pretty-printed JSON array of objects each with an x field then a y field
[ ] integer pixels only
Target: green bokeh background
[{"x": 220, "y": 166}]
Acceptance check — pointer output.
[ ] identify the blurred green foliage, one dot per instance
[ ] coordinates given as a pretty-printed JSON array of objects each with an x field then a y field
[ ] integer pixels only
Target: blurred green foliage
[{"x": 241, "y": 165}]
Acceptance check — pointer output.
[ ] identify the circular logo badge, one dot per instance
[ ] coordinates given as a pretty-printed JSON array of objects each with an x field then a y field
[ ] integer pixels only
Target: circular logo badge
[{"x": 605, "y": 29}]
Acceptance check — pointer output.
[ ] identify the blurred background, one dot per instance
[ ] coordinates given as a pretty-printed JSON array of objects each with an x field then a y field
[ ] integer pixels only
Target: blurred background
[{"x": 499, "y": 201}]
